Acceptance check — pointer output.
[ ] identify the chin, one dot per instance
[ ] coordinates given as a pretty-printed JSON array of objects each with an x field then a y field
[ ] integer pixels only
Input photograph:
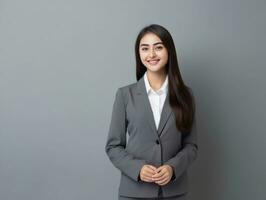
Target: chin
[{"x": 155, "y": 69}]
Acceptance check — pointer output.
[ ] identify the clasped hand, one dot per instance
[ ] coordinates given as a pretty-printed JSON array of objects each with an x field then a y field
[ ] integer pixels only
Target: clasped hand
[{"x": 161, "y": 175}]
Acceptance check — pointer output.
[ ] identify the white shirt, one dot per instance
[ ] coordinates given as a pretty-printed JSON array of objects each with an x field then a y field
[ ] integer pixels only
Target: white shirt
[{"x": 156, "y": 98}]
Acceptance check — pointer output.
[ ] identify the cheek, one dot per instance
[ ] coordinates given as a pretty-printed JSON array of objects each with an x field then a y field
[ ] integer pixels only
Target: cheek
[
  {"x": 142, "y": 57},
  {"x": 165, "y": 56}
]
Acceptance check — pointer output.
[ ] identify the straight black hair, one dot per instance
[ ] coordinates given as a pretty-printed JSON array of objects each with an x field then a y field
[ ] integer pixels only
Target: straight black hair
[{"x": 181, "y": 98}]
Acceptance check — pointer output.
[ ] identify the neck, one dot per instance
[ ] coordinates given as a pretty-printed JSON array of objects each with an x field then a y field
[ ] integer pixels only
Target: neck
[{"x": 156, "y": 79}]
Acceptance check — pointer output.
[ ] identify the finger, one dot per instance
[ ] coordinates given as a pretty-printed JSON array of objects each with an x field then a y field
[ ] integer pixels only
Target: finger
[
  {"x": 160, "y": 168},
  {"x": 160, "y": 182},
  {"x": 152, "y": 167},
  {"x": 163, "y": 181},
  {"x": 166, "y": 177},
  {"x": 148, "y": 173},
  {"x": 159, "y": 174},
  {"x": 147, "y": 178},
  {"x": 159, "y": 178}
]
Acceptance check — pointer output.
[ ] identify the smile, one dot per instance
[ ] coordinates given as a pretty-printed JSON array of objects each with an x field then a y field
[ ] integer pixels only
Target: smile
[{"x": 153, "y": 62}]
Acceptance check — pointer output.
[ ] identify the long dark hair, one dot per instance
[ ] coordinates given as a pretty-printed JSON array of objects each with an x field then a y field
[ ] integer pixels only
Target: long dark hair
[{"x": 180, "y": 96}]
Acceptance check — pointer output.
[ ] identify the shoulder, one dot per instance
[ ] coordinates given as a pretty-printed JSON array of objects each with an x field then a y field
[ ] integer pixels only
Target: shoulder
[
  {"x": 128, "y": 88},
  {"x": 126, "y": 91}
]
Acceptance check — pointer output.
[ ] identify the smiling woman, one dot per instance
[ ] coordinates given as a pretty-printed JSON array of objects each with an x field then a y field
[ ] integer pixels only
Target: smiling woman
[
  {"x": 153, "y": 53},
  {"x": 158, "y": 113}
]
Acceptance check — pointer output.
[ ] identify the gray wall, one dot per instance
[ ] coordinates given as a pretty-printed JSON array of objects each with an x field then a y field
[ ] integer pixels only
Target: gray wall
[{"x": 62, "y": 61}]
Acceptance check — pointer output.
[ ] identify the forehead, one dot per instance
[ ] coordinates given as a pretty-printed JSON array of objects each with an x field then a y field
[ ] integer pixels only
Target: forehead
[{"x": 150, "y": 39}]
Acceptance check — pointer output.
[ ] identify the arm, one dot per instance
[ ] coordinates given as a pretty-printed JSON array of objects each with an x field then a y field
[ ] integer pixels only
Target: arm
[
  {"x": 116, "y": 141},
  {"x": 184, "y": 158}
]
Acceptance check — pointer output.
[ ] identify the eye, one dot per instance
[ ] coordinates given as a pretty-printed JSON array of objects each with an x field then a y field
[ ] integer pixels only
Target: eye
[
  {"x": 144, "y": 49},
  {"x": 159, "y": 47}
]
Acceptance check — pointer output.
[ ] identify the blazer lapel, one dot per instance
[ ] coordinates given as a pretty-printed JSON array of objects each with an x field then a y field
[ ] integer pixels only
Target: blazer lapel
[
  {"x": 145, "y": 105},
  {"x": 146, "y": 108},
  {"x": 166, "y": 112}
]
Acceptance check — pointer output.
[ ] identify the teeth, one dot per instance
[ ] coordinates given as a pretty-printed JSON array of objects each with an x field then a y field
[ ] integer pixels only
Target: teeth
[{"x": 153, "y": 61}]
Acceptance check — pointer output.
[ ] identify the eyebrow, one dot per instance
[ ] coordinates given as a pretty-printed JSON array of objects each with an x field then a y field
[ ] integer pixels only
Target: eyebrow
[{"x": 153, "y": 44}]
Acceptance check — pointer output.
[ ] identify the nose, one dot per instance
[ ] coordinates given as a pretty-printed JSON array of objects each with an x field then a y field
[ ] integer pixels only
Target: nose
[{"x": 152, "y": 53}]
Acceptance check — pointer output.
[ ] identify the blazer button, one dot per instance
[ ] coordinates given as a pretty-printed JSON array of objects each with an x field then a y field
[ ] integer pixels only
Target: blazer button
[{"x": 157, "y": 142}]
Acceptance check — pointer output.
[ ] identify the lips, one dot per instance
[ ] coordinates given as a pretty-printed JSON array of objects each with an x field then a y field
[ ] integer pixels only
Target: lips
[{"x": 153, "y": 62}]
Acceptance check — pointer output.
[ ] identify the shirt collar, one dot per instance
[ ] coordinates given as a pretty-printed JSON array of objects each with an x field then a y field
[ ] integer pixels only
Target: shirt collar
[{"x": 163, "y": 88}]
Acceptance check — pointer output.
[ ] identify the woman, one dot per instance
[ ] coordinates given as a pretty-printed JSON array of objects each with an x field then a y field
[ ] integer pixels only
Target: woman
[{"x": 158, "y": 113}]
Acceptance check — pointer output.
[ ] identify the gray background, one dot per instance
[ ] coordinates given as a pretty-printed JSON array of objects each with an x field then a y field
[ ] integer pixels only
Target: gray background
[{"x": 62, "y": 61}]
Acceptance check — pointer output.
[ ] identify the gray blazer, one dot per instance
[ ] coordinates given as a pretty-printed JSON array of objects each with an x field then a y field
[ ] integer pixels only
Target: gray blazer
[{"x": 146, "y": 145}]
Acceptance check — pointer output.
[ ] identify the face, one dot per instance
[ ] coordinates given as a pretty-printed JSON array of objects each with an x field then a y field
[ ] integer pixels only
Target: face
[{"x": 153, "y": 53}]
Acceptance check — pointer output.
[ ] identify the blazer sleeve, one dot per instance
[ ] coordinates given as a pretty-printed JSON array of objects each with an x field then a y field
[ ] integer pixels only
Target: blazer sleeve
[
  {"x": 184, "y": 158},
  {"x": 116, "y": 141}
]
